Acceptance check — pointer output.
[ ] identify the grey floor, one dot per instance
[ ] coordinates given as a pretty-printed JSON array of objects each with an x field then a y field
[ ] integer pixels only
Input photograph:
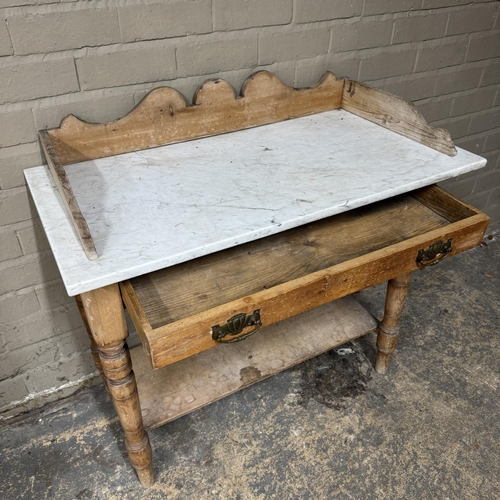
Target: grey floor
[{"x": 327, "y": 429}]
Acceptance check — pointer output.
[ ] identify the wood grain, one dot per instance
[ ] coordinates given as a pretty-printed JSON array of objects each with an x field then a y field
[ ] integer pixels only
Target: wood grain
[
  {"x": 136, "y": 313},
  {"x": 396, "y": 114},
  {"x": 106, "y": 320},
  {"x": 162, "y": 117},
  {"x": 67, "y": 195},
  {"x": 93, "y": 346},
  {"x": 359, "y": 267},
  {"x": 183, "y": 387},
  {"x": 388, "y": 330},
  {"x": 444, "y": 204},
  {"x": 104, "y": 314},
  {"x": 189, "y": 288},
  {"x": 186, "y": 337},
  {"x": 121, "y": 384}
]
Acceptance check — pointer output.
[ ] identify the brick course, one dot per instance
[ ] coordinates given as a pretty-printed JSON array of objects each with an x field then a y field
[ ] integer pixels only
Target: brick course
[
  {"x": 458, "y": 80},
  {"x": 98, "y": 59},
  {"x": 435, "y": 4},
  {"x": 14, "y": 205},
  {"x": 411, "y": 87},
  {"x": 25, "y": 80},
  {"x": 41, "y": 33},
  {"x": 322, "y": 10},
  {"x": 14, "y": 159},
  {"x": 239, "y": 14},
  {"x": 292, "y": 45},
  {"x": 492, "y": 141},
  {"x": 418, "y": 28},
  {"x": 165, "y": 19},
  {"x": 388, "y": 6},
  {"x": 130, "y": 64},
  {"x": 449, "y": 52},
  {"x": 17, "y": 128},
  {"x": 203, "y": 57},
  {"x": 9, "y": 247},
  {"x": 484, "y": 46},
  {"x": 475, "y": 100},
  {"x": 469, "y": 20},
  {"x": 491, "y": 74},
  {"x": 362, "y": 34},
  {"x": 393, "y": 63},
  {"x": 18, "y": 305},
  {"x": 435, "y": 109},
  {"x": 26, "y": 271},
  {"x": 5, "y": 43}
]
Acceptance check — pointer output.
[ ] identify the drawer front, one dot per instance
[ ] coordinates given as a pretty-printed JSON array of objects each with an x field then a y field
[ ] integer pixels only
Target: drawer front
[{"x": 238, "y": 319}]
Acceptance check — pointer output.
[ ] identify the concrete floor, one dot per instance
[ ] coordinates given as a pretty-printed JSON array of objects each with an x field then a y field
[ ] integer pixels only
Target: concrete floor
[{"x": 327, "y": 429}]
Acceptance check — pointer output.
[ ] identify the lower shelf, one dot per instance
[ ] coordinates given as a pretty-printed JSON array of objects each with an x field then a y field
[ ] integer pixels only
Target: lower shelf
[{"x": 182, "y": 387}]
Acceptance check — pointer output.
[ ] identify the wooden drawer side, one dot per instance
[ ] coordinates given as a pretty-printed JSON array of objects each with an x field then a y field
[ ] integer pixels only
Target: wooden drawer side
[
  {"x": 189, "y": 336},
  {"x": 188, "y": 289},
  {"x": 173, "y": 340},
  {"x": 137, "y": 314},
  {"x": 444, "y": 204}
]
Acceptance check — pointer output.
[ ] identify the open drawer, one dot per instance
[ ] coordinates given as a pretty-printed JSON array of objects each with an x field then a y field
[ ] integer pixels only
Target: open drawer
[{"x": 194, "y": 306}]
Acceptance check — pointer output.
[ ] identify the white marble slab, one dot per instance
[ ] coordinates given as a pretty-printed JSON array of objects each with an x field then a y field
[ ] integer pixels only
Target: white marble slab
[{"x": 167, "y": 205}]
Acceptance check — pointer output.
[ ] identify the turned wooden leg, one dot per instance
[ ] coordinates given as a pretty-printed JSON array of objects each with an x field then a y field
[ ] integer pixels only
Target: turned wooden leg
[
  {"x": 117, "y": 368},
  {"x": 93, "y": 346},
  {"x": 106, "y": 320},
  {"x": 388, "y": 329}
]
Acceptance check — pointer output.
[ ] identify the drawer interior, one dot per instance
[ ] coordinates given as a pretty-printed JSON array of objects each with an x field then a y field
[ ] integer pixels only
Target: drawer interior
[{"x": 190, "y": 288}]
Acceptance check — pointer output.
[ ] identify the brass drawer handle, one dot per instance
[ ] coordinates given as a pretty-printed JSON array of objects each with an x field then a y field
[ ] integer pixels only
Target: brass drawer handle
[
  {"x": 435, "y": 253},
  {"x": 236, "y": 325}
]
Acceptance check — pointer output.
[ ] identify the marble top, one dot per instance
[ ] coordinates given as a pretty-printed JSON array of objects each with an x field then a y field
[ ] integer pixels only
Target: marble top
[{"x": 166, "y": 205}]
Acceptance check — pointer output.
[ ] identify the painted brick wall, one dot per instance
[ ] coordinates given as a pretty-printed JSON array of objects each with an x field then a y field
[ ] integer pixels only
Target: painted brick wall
[{"x": 97, "y": 59}]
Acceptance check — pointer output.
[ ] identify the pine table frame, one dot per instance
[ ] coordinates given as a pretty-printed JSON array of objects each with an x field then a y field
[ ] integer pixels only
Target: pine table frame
[{"x": 163, "y": 118}]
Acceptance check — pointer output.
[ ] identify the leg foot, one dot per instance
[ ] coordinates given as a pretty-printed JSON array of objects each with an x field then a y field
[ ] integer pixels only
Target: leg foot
[
  {"x": 388, "y": 330},
  {"x": 146, "y": 476}
]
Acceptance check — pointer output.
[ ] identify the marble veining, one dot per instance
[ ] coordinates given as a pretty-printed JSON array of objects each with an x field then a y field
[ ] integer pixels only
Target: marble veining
[{"x": 166, "y": 205}]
